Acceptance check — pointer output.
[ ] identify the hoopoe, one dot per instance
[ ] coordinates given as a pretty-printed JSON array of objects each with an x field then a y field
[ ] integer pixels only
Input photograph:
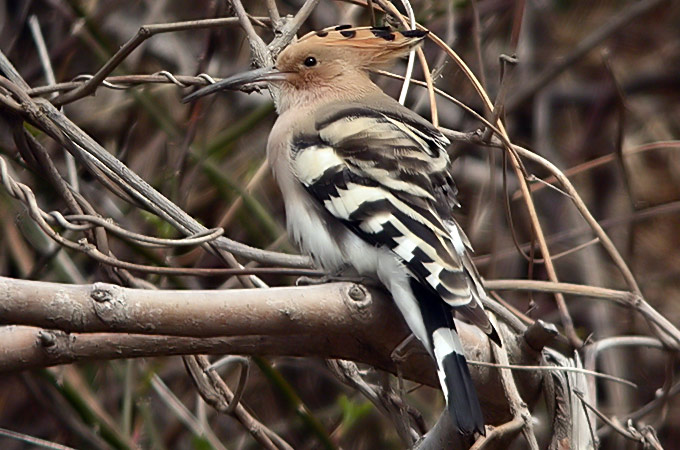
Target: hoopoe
[{"x": 366, "y": 183}]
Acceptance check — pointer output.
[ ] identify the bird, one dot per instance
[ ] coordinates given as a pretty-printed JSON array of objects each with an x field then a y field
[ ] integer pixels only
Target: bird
[{"x": 366, "y": 183}]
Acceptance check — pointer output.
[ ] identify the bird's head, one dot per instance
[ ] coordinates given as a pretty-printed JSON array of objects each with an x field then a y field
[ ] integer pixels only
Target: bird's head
[
  {"x": 333, "y": 62},
  {"x": 328, "y": 56}
]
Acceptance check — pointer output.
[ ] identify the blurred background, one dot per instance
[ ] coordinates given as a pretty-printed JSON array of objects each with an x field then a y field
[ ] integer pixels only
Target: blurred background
[{"x": 596, "y": 95}]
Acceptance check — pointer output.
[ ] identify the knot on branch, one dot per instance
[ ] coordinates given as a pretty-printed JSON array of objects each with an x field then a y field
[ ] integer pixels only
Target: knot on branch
[
  {"x": 55, "y": 342},
  {"x": 109, "y": 304},
  {"x": 358, "y": 299}
]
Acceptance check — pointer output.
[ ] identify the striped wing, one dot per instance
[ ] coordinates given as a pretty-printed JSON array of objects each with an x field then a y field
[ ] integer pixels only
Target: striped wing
[{"x": 385, "y": 175}]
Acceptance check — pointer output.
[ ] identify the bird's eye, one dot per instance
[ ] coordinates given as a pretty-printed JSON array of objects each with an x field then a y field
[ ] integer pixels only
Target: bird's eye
[{"x": 310, "y": 61}]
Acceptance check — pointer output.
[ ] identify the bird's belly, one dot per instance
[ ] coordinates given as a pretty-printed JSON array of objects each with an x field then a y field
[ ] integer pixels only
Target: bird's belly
[
  {"x": 312, "y": 233},
  {"x": 330, "y": 243}
]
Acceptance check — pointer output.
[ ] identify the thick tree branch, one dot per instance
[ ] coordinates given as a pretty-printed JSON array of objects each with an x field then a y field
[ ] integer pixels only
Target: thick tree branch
[{"x": 338, "y": 320}]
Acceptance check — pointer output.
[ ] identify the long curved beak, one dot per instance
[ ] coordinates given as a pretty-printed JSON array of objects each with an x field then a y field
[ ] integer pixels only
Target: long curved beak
[{"x": 237, "y": 81}]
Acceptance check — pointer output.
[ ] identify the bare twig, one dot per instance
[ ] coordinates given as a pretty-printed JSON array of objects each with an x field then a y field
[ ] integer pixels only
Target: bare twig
[
  {"x": 601, "y": 161},
  {"x": 144, "y": 33},
  {"x": 388, "y": 403},
  {"x": 585, "y": 213},
  {"x": 664, "y": 329},
  {"x": 216, "y": 393},
  {"x": 411, "y": 56},
  {"x": 43, "y": 54},
  {"x": 183, "y": 414},
  {"x": 629, "y": 432},
  {"x": 51, "y": 80},
  {"x": 273, "y": 12},
  {"x": 592, "y": 351},
  {"x": 32, "y": 440},
  {"x": 622, "y": 297},
  {"x": 518, "y": 408},
  {"x": 531, "y": 208},
  {"x": 46, "y": 116},
  {"x": 244, "y": 364},
  {"x": 257, "y": 45},
  {"x": 291, "y": 28},
  {"x": 26, "y": 196},
  {"x": 499, "y": 433},
  {"x": 592, "y": 373},
  {"x": 617, "y": 22}
]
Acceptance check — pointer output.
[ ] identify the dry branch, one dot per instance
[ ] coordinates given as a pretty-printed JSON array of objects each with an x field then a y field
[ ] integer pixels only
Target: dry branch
[{"x": 103, "y": 321}]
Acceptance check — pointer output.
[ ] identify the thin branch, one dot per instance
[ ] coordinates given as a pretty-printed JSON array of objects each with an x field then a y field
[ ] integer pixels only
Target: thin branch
[
  {"x": 467, "y": 137},
  {"x": 51, "y": 80},
  {"x": 517, "y": 167},
  {"x": 644, "y": 214},
  {"x": 44, "y": 115},
  {"x": 499, "y": 433},
  {"x": 217, "y": 394},
  {"x": 599, "y": 162},
  {"x": 43, "y": 54},
  {"x": 257, "y": 45},
  {"x": 273, "y": 12},
  {"x": 592, "y": 373},
  {"x": 122, "y": 82},
  {"x": 629, "y": 433},
  {"x": 643, "y": 411},
  {"x": 144, "y": 33},
  {"x": 32, "y": 440},
  {"x": 585, "y": 213},
  {"x": 26, "y": 196},
  {"x": 592, "y": 351},
  {"x": 183, "y": 414},
  {"x": 244, "y": 364},
  {"x": 91, "y": 221},
  {"x": 385, "y": 400},
  {"x": 291, "y": 28},
  {"x": 601, "y": 33},
  {"x": 621, "y": 297},
  {"x": 666, "y": 331},
  {"x": 411, "y": 56},
  {"x": 518, "y": 408}
]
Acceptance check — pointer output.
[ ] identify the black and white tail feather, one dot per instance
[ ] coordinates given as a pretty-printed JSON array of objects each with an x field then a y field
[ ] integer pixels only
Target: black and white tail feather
[
  {"x": 452, "y": 369},
  {"x": 383, "y": 172}
]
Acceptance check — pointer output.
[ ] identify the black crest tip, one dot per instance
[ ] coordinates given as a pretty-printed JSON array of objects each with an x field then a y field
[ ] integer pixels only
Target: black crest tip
[
  {"x": 385, "y": 34},
  {"x": 415, "y": 33}
]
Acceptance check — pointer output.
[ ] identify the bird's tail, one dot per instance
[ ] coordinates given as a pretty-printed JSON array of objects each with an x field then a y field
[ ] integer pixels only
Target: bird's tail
[{"x": 452, "y": 369}]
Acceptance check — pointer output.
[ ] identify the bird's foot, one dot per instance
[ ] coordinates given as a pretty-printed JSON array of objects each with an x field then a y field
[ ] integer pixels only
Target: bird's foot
[
  {"x": 343, "y": 274},
  {"x": 401, "y": 351}
]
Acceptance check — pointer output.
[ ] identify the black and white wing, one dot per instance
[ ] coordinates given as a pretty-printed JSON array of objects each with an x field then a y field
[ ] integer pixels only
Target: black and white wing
[{"x": 384, "y": 172}]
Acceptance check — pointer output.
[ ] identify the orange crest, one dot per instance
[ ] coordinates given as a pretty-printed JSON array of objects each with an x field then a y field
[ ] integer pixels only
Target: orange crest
[{"x": 375, "y": 46}]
